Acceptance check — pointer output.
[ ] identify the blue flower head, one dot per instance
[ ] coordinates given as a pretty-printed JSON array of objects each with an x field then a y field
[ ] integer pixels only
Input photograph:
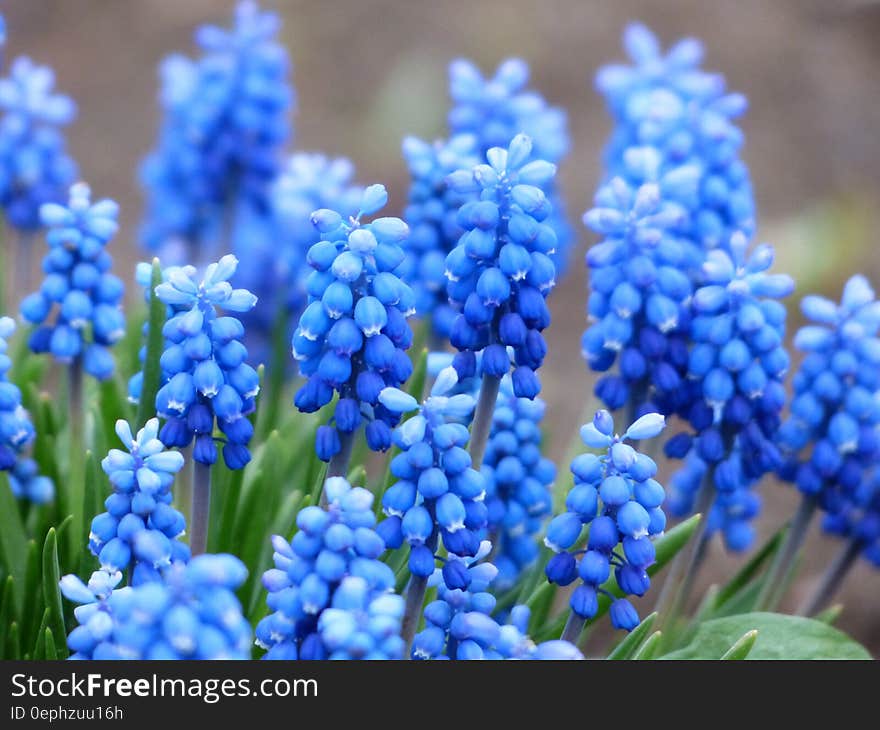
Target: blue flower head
[
  {"x": 432, "y": 216},
  {"x": 35, "y": 167},
  {"x": 330, "y": 596},
  {"x": 857, "y": 518},
  {"x": 139, "y": 533},
  {"x": 666, "y": 102},
  {"x": 192, "y": 613},
  {"x": 616, "y": 495},
  {"x": 518, "y": 479},
  {"x": 225, "y": 123},
  {"x": 496, "y": 109},
  {"x": 17, "y": 432},
  {"x": 205, "y": 377},
  {"x": 830, "y": 438},
  {"x": 353, "y": 335},
  {"x": 78, "y": 306},
  {"x": 500, "y": 272}
]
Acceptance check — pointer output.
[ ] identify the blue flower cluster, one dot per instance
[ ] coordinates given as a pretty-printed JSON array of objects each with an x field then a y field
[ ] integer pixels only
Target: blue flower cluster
[
  {"x": 500, "y": 272},
  {"x": 330, "y": 596},
  {"x": 17, "y": 432},
  {"x": 205, "y": 376},
  {"x": 857, "y": 518},
  {"x": 192, "y": 613},
  {"x": 738, "y": 362},
  {"x": 35, "y": 167},
  {"x": 432, "y": 216},
  {"x": 438, "y": 495},
  {"x": 687, "y": 115},
  {"x": 830, "y": 438},
  {"x": 78, "y": 306},
  {"x": 139, "y": 531},
  {"x": 518, "y": 479},
  {"x": 640, "y": 293},
  {"x": 617, "y": 496},
  {"x": 353, "y": 336},
  {"x": 496, "y": 109},
  {"x": 459, "y": 623},
  {"x": 225, "y": 125}
]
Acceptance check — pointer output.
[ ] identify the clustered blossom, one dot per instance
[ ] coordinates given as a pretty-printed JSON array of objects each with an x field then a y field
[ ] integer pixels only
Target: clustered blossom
[
  {"x": 438, "y": 495},
  {"x": 857, "y": 518},
  {"x": 500, "y": 272},
  {"x": 459, "y": 623},
  {"x": 518, "y": 479},
  {"x": 616, "y": 495},
  {"x": 353, "y": 335},
  {"x": 17, "y": 432},
  {"x": 77, "y": 308},
  {"x": 35, "y": 167},
  {"x": 192, "y": 613},
  {"x": 204, "y": 374},
  {"x": 432, "y": 216},
  {"x": 330, "y": 596},
  {"x": 139, "y": 533},
  {"x": 830, "y": 439},
  {"x": 737, "y": 365},
  {"x": 496, "y": 109},
  {"x": 224, "y": 127}
]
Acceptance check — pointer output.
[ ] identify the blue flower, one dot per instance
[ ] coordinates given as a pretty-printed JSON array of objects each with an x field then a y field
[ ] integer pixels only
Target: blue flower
[
  {"x": 352, "y": 337},
  {"x": 77, "y": 306},
  {"x": 857, "y": 518},
  {"x": 192, "y": 613},
  {"x": 432, "y": 216},
  {"x": 330, "y": 596},
  {"x": 438, "y": 495},
  {"x": 224, "y": 128},
  {"x": 17, "y": 433},
  {"x": 35, "y": 167},
  {"x": 616, "y": 495},
  {"x": 496, "y": 109},
  {"x": 830, "y": 438},
  {"x": 500, "y": 272},
  {"x": 518, "y": 479},
  {"x": 139, "y": 533},
  {"x": 204, "y": 374}
]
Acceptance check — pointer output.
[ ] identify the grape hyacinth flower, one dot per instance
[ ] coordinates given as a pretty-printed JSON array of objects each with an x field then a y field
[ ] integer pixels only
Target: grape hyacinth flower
[
  {"x": 330, "y": 596},
  {"x": 518, "y": 479},
  {"x": 616, "y": 495},
  {"x": 192, "y": 613},
  {"x": 829, "y": 440},
  {"x": 438, "y": 494},
  {"x": 496, "y": 109},
  {"x": 432, "y": 216},
  {"x": 206, "y": 380},
  {"x": 77, "y": 309},
  {"x": 225, "y": 123},
  {"x": 353, "y": 335},
  {"x": 139, "y": 533},
  {"x": 500, "y": 274},
  {"x": 459, "y": 623},
  {"x": 17, "y": 433}
]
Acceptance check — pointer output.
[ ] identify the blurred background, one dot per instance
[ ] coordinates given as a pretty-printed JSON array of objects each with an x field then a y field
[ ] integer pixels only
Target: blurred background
[{"x": 367, "y": 72}]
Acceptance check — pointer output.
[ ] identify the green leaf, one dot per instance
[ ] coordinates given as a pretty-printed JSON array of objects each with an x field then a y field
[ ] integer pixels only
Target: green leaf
[
  {"x": 50, "y": 646},
  {"x": 39, "y": 651},
  {"x": 155, "y": 341},
  {"x": 633, "y": 640},
  {"x": 752, "y": 568},
  {"x": 13, "y": 642},
  {"x": 7, "y": 611},
  {"x": 33, "y": 593},
  {"x": 13, "y": 540},
  {"x": 830, "y": 614},
  {"x": 779, "y": 637},
  {"x": 649, "y": 649},
  {"x": 51, "y": 589},
  {"x": 740, "y": 650}
]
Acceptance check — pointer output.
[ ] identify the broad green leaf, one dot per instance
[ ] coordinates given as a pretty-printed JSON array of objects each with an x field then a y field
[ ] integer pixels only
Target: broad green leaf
[
  {"x": 779, "y": 637},
  {"x": 633, "y": 640},
  {"x": 152, "y": 371},
  {"x": 51, "y": 589},
  {"x": 13, "y": 540},
  {"x": 743, "y": 646}
]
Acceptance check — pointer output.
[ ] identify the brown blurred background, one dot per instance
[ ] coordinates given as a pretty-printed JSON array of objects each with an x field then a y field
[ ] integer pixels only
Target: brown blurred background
[{"x": 368, "y": 72}]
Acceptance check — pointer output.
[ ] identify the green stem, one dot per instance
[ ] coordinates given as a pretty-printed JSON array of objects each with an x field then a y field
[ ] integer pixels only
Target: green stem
[
  {"x": 201, "y": 508},
  {"x": 777, "y": 576},
  {"x": 339, "y": 462},
  {"x": 574, "y": 625},
  {"x": 415, "y": 598},
  {"x": 483, "y": 418},
  {"x": 833, "y": 578}
]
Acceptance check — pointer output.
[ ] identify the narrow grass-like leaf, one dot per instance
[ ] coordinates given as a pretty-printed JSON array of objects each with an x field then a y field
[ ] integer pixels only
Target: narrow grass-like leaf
[
  {"x": 152, "y": 372},
  {"x": 51, "y": 589},
  {"x": 7, "y": 612},
  {"x": 830, "y": 614},
  {"x": 13, "y": 540},
  {"x": 633, "y": 640},
  {"x": 39, "y": 650},
  {"x": 741, "y": 648},
  {"x": 754, "y": 565},
  {"x": 33, "y": 592},
  {"x": 649, "y": 649},
  {"x": 51, "y": 651},
  {"x": 13, "y": 642}
]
